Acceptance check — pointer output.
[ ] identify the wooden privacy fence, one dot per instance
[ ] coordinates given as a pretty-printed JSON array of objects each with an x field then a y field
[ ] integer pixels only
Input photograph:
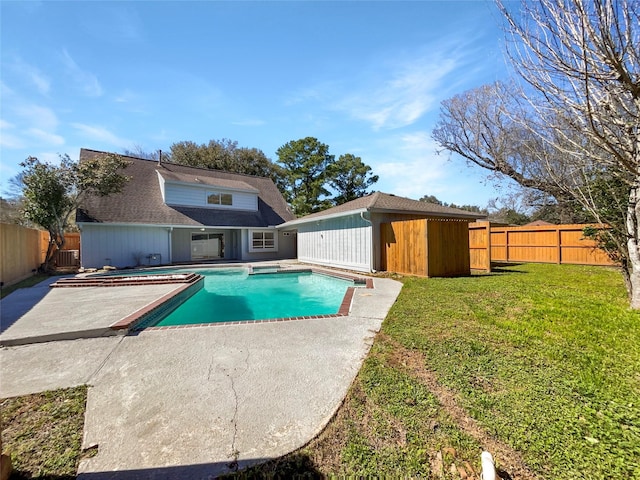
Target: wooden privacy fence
[
  {"x": 19, "y": 252},
  {"x": 535, "y": 244},
  {"x": 70, "y": 254},
  {"x": 23, "y": 250}
]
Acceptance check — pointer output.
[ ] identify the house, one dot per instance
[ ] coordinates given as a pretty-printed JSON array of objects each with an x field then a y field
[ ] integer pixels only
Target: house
[
  {"x": 389, "y": 233},
  {"x": 170, "y": 213}
]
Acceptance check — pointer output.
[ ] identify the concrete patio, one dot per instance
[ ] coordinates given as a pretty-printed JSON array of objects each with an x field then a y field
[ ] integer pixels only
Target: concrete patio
[{"x": 194, "y": 402}]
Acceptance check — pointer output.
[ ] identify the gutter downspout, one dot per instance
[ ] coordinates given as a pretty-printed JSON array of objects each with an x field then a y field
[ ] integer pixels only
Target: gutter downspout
[
  {"x": 170, "y": 230},
  {"x": 372, "y": 254}
]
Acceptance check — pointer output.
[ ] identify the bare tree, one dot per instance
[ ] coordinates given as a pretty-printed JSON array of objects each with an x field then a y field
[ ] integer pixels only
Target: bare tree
[
  {"x": 581, "y": 60},
  {"x": 494, "y": 127}
]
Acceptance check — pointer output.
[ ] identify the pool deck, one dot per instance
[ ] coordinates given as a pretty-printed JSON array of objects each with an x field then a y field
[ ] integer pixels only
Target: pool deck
[{"x": 186, "y": 403}]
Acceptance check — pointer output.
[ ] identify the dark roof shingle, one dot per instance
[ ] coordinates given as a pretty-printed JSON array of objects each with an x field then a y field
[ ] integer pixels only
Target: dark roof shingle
[
  {"x": 385, "y": 202},
  {"x": 141, "y": 200}
]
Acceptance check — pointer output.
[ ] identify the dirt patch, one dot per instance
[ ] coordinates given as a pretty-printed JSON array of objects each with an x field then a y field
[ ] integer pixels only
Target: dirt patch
[{"x": 414, "y": 364}]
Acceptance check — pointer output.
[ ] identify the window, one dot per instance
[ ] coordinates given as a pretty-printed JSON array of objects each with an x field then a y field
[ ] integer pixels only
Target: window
[
  {"x": 263, "y": 241},
  {"x": 216, "y": 198}
]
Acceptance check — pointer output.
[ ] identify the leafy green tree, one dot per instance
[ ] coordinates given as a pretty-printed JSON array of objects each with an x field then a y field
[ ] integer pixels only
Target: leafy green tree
[
  {"x": 350, "y": 178},
  {"x": 52, "y": 193},
  {"x": 226, "y": 155},
  {"x": 431, "y": 199},
  {"x": 305, "y": 163},
  {"x": 436, "y": 201}
]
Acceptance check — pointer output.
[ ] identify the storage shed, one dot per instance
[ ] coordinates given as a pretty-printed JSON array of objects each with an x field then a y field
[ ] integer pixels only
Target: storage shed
[{"x": 383, "y": 232}]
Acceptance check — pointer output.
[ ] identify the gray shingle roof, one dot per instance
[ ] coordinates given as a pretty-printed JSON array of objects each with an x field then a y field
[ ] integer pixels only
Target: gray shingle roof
[
  {"x": 197, "y": 178},
  {"x": 385, "y": 202},
  {"x": 141, "y": 200}
]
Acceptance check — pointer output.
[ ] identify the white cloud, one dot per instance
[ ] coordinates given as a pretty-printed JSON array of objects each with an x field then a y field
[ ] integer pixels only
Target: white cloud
[
  {"x": 101, "y": 134},
  {"x": 86, "y": 81},
  {"x": 409, "y": 166},
  {"x": 36, "y": 116},
  {"x": 47, "y": 137},
  {"x": 9, "y": 140},
  {"x": 126, "y": 96},
  {"x": 401, "y": 93},
  {"x": 31, "y": 75}
]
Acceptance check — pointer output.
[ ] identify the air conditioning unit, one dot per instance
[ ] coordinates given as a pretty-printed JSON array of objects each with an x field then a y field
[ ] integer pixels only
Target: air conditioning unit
[{"x": 68, "y": 258}]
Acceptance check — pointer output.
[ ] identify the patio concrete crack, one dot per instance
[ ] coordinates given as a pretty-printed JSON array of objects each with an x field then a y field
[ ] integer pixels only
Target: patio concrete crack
[
  {"x": 235, "y": 453},
  {"x": 104, "y": 362},
  {"x": 232, "y": 373}
]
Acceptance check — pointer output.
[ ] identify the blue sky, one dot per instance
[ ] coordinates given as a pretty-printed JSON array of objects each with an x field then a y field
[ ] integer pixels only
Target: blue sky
[{"x": 365, "y": 78}]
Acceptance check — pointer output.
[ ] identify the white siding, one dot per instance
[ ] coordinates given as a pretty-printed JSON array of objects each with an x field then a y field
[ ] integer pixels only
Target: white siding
[
  {"x": 122, "y": 246},
  {"x": 343, "y": 242},
  {"x": 194, "y": 196},
  {"x": 286, "y": 248}
]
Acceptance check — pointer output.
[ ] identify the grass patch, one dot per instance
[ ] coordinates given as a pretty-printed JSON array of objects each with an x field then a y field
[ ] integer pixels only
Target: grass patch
[
  {"x": 545, "y": 357},
  {"x": 541, "y": 360},
  {"x": 29, "y": 282},
  {"x": 43, "y": 433}
]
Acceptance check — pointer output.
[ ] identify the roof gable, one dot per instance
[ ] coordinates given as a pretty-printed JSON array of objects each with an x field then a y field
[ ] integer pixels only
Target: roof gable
[{"x": 141, "y": 201}]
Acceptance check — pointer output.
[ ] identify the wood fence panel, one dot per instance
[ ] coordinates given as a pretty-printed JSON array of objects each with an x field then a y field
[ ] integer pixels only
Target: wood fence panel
[
  {"x": 480, "y": 246},
  {"x": 404, "y": 247},
  {"x": 576, "y": 250},
  {"x": 536, "y": 244},
  {"x": 72, "y": 242},
  {"x": 19, "y": 252}
]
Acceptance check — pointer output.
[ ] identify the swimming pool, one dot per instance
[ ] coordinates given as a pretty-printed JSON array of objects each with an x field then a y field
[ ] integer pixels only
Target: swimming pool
[{"x": 239, "y": 294}]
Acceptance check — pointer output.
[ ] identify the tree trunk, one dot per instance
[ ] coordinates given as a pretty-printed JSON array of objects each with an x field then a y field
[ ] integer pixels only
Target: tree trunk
[
  {"x": 633, "y": 245},
  {"x": 56, "y": 243},
  {"x": 48, "y": 264}
]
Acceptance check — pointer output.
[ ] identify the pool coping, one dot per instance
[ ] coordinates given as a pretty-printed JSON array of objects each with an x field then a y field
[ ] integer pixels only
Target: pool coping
[{"x": 132, "y": 322}]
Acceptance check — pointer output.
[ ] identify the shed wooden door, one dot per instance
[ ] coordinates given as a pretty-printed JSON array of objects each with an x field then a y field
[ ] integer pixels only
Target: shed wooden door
[{"x": 404, "y": 246}]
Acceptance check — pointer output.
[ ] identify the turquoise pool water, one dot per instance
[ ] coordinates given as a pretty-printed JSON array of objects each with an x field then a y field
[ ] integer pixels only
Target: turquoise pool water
[{"x": 235, "y": 295}]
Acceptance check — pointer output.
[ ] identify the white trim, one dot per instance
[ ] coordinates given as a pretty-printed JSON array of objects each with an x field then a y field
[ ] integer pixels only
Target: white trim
[
  {"x": 207, "y": 185},
  {"x": 303, "y": 220},
  {"x": 162, "y": 225}
]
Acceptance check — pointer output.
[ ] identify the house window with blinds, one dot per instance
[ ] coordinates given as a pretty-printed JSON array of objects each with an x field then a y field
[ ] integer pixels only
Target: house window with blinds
[{"x": 263, "y": 241}]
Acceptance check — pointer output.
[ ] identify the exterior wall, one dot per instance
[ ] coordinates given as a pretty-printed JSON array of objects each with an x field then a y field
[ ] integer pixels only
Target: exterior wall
[
  {"x": 448, "y": 248},
  {"x": 128, "y": 246},
  {"x": 343, "y": 242},
  {"x": 286, "y": 247},
  {"x": 376, "y": 220},
  {"x": 404, "y": 247},
  {"x": 194, "y": 196},
  {"x": 181, "y": 243},
  {"x": 431, "y": 247},
  {"x": 123, "y": 246}
]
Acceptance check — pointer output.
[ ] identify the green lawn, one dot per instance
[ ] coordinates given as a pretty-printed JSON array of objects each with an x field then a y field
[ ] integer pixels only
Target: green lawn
[
  {"x": 540, "y": 364},
  {"x": 545, "y": 360},
  {"x": 545, "y": 357},
  {"x": 43, "y": 433}
]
